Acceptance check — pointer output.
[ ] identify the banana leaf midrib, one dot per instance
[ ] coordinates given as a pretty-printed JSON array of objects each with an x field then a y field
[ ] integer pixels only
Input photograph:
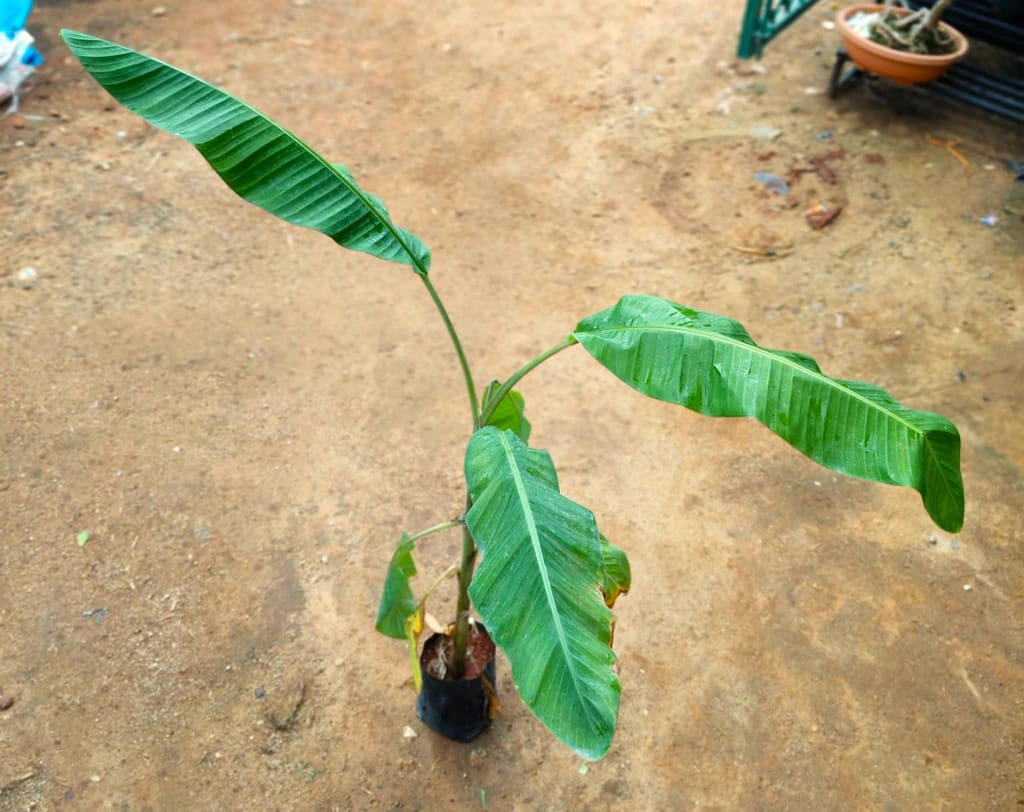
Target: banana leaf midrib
[
  {"x": 541, "y": 563},
  {"x": 718, "y": 338}
]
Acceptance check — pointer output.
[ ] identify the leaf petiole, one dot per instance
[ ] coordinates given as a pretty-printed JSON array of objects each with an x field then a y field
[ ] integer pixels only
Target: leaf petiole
[
  {"x": 518, "y": 375},
  {"x": 467, "y": 376},
  {"x": 437, "y": 528}
]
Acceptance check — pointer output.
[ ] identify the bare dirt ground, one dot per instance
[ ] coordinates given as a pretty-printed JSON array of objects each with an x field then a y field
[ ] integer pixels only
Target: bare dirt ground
[{"x": 244, "y": 417}]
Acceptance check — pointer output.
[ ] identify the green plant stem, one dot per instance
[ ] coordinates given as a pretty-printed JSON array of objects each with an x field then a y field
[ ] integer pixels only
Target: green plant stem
[
  {"x": 518, "y": 375},
  {"x": 469, "y": 550},
  {"x": 439, "y": 580},
  {"x": 467, "y": 376},
  {"x": 458, "y": 663},
  {"x": 437, "y": 528},
  {"x": 468, "y": 561}
]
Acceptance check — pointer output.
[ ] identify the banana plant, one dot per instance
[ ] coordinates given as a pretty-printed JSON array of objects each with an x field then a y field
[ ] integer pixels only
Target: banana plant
[{"x": 547, "y": 578}]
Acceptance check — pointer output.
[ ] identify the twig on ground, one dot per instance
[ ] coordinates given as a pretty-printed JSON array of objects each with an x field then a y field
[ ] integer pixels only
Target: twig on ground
[
  {"x": 950, "y": 145},
  {"x": 21, "y": 779}
]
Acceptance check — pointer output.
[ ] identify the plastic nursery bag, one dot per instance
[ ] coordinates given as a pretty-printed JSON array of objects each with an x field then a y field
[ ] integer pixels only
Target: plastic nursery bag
[{"x": 18, "y": 58}]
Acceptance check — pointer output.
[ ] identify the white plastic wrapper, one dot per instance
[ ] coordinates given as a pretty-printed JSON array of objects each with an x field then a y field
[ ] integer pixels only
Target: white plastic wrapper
[
  {"x": 18, "y": 57},
  {"x": 14, "y": 67}
]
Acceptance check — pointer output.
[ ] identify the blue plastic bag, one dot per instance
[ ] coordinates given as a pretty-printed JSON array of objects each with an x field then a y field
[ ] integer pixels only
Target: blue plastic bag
[{"x": 14, "y": 15}]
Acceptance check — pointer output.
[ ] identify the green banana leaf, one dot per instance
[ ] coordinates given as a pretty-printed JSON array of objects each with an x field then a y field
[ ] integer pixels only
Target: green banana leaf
[
  {"x": 509, "y": 414},
  {"x": 259, "y": 160},
  {"x": 397, "y": 603},
  {"x": 537, "y": 589},
  {"x": 710, "y": 364}
]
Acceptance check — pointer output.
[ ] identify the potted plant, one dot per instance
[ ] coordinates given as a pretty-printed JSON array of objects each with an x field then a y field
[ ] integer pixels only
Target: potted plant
[
  {"x": 533, "y": 563},
  {"x": 909, "y": 47}
]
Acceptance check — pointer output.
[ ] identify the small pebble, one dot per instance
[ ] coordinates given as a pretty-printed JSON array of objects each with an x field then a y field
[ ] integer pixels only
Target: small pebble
[
  {"x": 968, "y": 587},
  {"x": 765, "y": 132},
  {"x": 27, "y": 276},
  {"x": 409, "y": 733},
  {"x": 18, "y": 121},
  {"x": 6, "y": 702},
  {"x": 159, "y": 11}
]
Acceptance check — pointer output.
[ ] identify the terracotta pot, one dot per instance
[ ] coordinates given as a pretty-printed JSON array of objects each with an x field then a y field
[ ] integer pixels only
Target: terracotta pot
[
  {"x": 460, "y": 709},
  {"x": 900, "y": 66}
]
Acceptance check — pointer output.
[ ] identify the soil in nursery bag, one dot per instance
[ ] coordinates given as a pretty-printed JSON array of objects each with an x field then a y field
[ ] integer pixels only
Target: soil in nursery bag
[{"x": 458, "y": 708}]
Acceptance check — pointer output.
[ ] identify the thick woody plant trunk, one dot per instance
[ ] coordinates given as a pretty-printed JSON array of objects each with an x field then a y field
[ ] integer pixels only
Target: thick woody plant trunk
[
  {"x": 931, "y": 20},
  {"x": 935, "y": 15},
  {"x": 915, "y": 32}
]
